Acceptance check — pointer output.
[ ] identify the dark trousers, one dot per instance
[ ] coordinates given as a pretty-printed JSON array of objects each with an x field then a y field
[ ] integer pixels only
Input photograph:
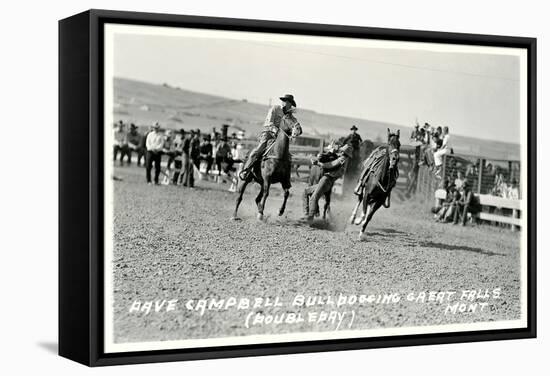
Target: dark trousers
[
  {"x": 123, "y": 150},
  {"x": 463, "y": 207},
  {"x": 313, "y": 193},
  {"x": 208, "y": 160},
  {"x": 177, "y": 171},
  {"x": 152, "y": 158},
  {"x": 171, "y": 156},
  {"x": 187, "y": 170},
  {"x": 224, "y": 164},
  {"x": 140, "y": 155}
]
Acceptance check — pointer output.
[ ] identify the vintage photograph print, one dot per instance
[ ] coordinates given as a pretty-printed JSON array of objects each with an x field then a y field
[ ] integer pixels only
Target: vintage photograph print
[{"x": 265, "y": 188}]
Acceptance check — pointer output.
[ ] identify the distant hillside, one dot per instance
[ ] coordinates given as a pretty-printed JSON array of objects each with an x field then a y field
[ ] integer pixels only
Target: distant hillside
[{"x": 143, "y": 103}]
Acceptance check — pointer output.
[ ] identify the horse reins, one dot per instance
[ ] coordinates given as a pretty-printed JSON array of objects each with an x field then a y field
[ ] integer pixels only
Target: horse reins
[
  {"x": 389, "y": 181},
  {"x": 273, "y": 143}
]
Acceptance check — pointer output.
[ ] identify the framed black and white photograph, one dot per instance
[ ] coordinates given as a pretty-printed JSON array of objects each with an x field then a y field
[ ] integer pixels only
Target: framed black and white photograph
[{"x": 259, "y": 187}]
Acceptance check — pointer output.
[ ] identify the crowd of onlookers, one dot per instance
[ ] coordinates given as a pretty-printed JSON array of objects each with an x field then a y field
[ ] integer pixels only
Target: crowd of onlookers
[
  {"x": 458, "y": 203},
  {"x": 184, "y": 153},
  {"x": 432, "y": 143},
  {"x": 460, "y": 199}
]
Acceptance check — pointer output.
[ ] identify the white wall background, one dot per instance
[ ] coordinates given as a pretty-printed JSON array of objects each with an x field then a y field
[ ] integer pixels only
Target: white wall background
[{"x": 28, "y": 263}]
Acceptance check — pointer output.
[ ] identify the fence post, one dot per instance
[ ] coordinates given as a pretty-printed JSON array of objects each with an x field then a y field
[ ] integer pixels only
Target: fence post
[
  {"x": 480, "y": 174},
  {"x": 515, "y": 214}
]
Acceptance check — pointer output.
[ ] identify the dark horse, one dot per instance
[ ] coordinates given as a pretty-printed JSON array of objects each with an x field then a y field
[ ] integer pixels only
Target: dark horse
[
  {"x": 275, "y": 167},
  {"x": 377, "y": 180}
]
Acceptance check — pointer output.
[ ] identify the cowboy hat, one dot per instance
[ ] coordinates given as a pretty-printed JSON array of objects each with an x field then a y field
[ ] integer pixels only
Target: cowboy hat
[
  {"x": 288, "y": 98},
  {"x": 156, "y": 125},
  {"x": 353, "y": 128}
]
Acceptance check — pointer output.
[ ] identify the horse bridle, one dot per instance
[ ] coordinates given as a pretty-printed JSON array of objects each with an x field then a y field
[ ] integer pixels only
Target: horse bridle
[
  {"x": 396, "y": 151},
  {"x": 273, "y": 143}
]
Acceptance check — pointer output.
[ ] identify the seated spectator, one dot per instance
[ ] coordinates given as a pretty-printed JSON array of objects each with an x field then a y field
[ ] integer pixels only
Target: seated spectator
[
  {"x": 446, "y": 211},
  {"x": 442, "y": 149},
  {"x": 428, "y": 146},
  {"x": 467, "y": 203},
  {"x": 459, "y": 181}
]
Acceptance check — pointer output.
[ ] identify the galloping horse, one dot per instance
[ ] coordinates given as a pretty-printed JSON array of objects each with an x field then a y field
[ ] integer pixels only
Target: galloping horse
[
  {"x": 377, "y": 180},
  {"x": 275, "y": 167}
]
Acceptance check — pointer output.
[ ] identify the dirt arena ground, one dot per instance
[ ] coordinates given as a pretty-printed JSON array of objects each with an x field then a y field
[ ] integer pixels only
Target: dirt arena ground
[{"x": 177, "y": 243}]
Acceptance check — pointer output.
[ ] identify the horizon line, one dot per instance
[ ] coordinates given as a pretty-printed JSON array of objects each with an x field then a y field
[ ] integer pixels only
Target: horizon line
[{"x": 171, "y": 86}]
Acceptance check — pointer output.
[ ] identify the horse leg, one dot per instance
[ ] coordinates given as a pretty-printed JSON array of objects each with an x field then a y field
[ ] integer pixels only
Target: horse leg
[
  {"x": 371, "y": 209},
  {"x": 261, "y": 206},
  {"x": 285, "y": 198},
  {"x": 242, "y": 188},
  {"x": 354, "y": 213},
  {"x": 259, "y": 197},
  {"x": 364, "y": 210}
]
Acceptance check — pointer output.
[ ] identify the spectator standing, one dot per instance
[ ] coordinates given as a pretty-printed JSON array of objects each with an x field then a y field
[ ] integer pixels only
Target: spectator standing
[
  {"x": 195, "y": 148},
  {"x": 187, "y": 165},
  {"x": 206, "y": 152},
  {"x": 142, "y": 150},
  {"x": 169, "y": 147},
  {"x": 190, "y": 158},
  {"x": 154, "y": 145},
  {"x": 224, "y": 158},
  {"x": 467, "y": 203},
  {"x": 177, "y": 148}
]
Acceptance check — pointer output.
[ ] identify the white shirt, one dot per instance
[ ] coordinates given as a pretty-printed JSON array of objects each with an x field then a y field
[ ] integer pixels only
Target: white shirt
[
  {"x": 446, "y": 144},
  {"x": 155, "y": 141}
]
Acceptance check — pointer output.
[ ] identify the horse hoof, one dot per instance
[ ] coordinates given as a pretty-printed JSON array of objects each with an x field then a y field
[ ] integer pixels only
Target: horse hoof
[
  {"x": 260, "y": 217},
  {"x": 362, "y": 236},
  {"x": 235, "y": 218},
  {"x": 281, "y": 213},
  {"x": 359, "y": 221}
]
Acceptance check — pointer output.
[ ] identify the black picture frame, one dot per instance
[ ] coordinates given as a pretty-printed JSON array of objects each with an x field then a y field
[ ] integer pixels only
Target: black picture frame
[{"x": 81, "y": 186}]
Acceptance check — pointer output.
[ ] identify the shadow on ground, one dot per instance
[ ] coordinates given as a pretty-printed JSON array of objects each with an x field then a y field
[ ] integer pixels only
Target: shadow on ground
[
  {"x": 50, "y": 347},
  {"x": 454, "y": 247}
]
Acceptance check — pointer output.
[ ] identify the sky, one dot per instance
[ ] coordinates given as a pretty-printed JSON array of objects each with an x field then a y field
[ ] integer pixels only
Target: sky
[{"x": 475, "y": 94}]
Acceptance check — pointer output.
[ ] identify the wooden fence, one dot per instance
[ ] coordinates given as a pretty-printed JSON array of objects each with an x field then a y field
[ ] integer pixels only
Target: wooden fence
[{"x": 494, "y": 208}]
